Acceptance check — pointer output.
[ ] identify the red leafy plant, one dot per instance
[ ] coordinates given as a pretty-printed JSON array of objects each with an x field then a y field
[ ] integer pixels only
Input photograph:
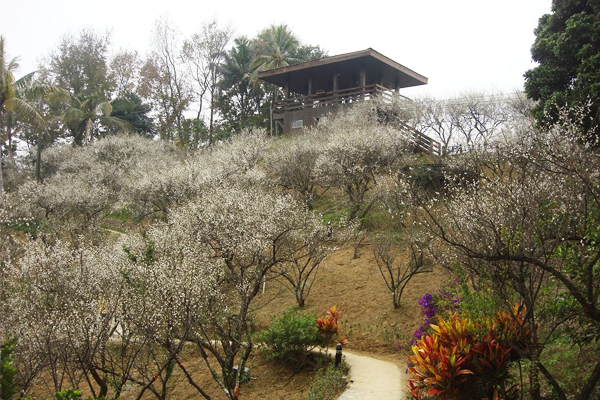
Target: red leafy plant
[
  {"x": 329, "y": 325},
  {"x": 465, "y": 359}
]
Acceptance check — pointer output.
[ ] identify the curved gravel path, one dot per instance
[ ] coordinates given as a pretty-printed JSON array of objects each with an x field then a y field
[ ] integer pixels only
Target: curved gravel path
[{"x": 373, "y": 379}]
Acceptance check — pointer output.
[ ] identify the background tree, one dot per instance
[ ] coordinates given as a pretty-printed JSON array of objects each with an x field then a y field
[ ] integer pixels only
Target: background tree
[
  {"x": 462, "y": 122},
  {"x": 163, "y": 83},
  {"x": 240, "y": 101},
  {"x": 90, "y": 118},
  {"x": 130, "y": 108},
  {"x": 79, "y": 64},
  {"x": 204, "y": 52},
  {"x": 124, "y": 72},
  {"x": 276, "y": 47},
  {"x": 567, "y": 48}
]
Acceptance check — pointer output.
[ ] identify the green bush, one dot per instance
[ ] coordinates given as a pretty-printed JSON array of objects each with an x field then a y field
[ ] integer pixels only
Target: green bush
[
  {"x": 328, "y": 382},
  {"x": 70, "y": 394},
  {"x": 7, "y": 370},
  {"x": 291, "y": 337}
]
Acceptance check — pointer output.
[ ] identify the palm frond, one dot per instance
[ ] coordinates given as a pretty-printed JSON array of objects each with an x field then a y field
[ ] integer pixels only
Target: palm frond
[
  {"x": 23, "y": 110},
  {"x": 24, "y": 81},
  {"x": 73, "y": 115},
  {"x": 116, "y": 123},
  {"x": 105, "y": 108}
]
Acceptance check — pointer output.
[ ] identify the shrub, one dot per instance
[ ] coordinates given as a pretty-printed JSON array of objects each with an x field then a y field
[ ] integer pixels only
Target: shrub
[
  {"x": 328, "y": 383},
  {"x": 328, "y": 325},
  {"x": 292, "y": 336},
  {"x": 7, "y": 370},
  {"x": 466, "y": 359}
]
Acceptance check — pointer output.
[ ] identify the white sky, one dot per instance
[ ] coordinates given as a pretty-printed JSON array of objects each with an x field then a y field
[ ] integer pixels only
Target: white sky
[{"x": 460, "y": 45}]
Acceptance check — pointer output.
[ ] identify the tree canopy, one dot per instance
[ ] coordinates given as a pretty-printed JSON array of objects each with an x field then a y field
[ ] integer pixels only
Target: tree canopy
[{"x": 567, "y": 48}]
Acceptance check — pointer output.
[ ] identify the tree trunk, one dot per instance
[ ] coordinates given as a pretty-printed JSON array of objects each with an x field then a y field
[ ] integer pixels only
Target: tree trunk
[
  {"x": 299, "y": 298},
  {"x": 212, "y": 105},
  {"x": 100, "y": 382},
  {"x": 586, "y": 390},
  {"x": 552, "y": 381},
  {"x": 1, "y": 176},
  {"x": 395, "y": 299},
  {"x": 38, "y": 160},
  {"x": 534, "y": 376}
]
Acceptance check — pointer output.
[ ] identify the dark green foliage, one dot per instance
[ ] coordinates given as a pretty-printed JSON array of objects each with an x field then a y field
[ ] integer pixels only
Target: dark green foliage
[
  {"x": 306, "y": 52},
  {"x": 567, "y": 48},
  {"x": 240, "y": 101},
  {"x": 429, "y": 177},
  {"x": 291, "y": 337},
  {"x": 130, "y": 108},
  {"x": 7, "y": 370}
]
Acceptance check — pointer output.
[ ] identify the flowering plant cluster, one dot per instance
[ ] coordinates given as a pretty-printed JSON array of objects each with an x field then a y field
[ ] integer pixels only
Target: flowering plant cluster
[{"x": 446, "y": 300}]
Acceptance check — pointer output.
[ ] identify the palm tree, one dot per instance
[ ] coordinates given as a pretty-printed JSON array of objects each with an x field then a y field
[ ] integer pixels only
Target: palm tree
[
  {"x": 275, "y": 48},
  {"x": 13, "y": 99},
  {"x": 86, "y": 117},
  {"x": 236, "y": 72}
]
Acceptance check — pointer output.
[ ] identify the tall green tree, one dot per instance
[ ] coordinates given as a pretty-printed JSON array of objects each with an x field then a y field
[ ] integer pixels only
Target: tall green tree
[
  {"x": 567, "y": 48},
  {"x": 80, "y": 64},
  {"x": 130, "y": 108}
]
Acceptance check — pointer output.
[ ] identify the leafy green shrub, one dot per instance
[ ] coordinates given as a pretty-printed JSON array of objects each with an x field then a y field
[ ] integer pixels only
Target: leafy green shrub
[
  {"x": 291, "y": 336},
  {"x": 7, "y": 370},
  {"x": 69, "y": 394},
  {"x": 73, "y": 394},
  {"x": 328, "y": 382}
]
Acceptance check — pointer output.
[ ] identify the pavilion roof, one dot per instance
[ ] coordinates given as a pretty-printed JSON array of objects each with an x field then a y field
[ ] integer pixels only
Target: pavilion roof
[{"x": 379, "y": 69}]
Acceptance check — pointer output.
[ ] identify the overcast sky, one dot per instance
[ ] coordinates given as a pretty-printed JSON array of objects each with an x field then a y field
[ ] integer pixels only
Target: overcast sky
[{"x": 460, "y": 45}]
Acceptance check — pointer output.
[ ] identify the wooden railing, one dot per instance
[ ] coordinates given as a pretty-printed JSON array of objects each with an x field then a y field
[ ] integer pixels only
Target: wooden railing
[
  {"x": 323, "y": 99},
  {"x": 424, "y": 142},
  {"x": 348, "y": 96}
]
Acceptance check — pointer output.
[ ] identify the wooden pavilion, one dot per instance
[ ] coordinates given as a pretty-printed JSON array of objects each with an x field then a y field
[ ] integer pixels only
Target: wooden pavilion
[{"x": 314, "y": 89}]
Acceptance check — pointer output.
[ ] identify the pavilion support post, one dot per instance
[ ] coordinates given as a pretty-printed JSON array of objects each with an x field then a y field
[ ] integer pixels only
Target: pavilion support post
[
  {"x": 335, "y": 86},
  {"x": 362, "y": 79}
]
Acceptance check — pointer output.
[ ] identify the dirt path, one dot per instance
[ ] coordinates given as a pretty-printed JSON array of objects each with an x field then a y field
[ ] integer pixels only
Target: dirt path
[{"x": 373, "y": 379}]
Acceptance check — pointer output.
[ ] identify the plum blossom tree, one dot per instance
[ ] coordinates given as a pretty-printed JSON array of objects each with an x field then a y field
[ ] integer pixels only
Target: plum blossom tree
[
  {"x": 306, "y": 250},
  {"x": 361, "y": 144},
  {"x": 245, "y": 238},
  {"x": 63, "y": 305},
  {"x": 292, "y": 162}
]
